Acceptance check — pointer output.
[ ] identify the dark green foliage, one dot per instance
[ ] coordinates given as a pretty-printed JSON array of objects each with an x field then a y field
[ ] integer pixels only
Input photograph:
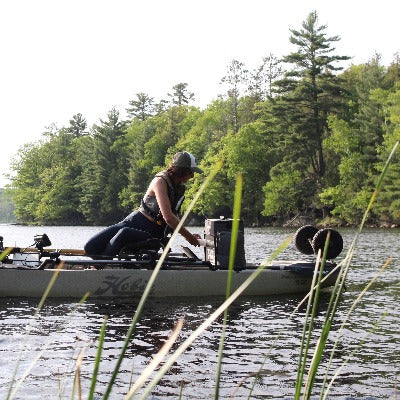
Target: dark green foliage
[
  {"x": 104, "y": 172},
  {"x": 358, "y": 139},
  {"x": 44, "y": 190},
  {"x": 306, "y": 138},
  {"x": 305, "y": 96}
]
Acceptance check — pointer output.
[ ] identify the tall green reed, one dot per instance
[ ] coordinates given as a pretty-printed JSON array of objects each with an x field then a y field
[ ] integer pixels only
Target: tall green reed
[
  {"x": 232, "y": 252},
  {"x": 342, "y": 267},
  {"x": 97, "y": 359},
  {"x": 212, "y": 318},
  {"x": 335, "y": 298},
  {"x": 5, "y": 253},
  {"x": 12, "y": 391},
  {"x": 152, "y": 278}
]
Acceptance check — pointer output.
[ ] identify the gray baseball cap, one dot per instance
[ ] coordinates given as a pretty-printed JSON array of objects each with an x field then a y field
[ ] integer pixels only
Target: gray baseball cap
[{"x": 185, "y": 159}]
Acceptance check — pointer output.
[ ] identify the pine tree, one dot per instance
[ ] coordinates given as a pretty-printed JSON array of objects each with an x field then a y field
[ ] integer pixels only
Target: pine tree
[
  {"x": 141, "y": 108},
  {"x": 263, "y": 77},
  {"x": 180, "y": 95},
  {"x": 237, "y": 82},
  {"x": 77, "y": 125},
  {"x": 104, "y": 172},
  {"x": 304, "y": 98}
]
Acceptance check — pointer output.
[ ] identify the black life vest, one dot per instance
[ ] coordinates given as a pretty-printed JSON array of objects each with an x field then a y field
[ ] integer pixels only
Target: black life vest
[{"x": 149, "y": 204}]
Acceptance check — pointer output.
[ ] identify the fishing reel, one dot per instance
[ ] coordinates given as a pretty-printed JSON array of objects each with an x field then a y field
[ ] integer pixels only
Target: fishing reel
[
  {"x": 308, "y": 240},
  {"x": 41, "y": 241}
]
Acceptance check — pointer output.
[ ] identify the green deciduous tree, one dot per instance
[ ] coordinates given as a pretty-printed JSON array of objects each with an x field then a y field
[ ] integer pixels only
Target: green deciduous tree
[
  {"x": 355, "y": 140},
  {"x": 44, "y": 189},
  {"x": 26, "y": 181}
]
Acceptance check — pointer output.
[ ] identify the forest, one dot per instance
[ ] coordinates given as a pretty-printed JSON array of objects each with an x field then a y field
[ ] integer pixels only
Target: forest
[{"x": 309, "y": 137}]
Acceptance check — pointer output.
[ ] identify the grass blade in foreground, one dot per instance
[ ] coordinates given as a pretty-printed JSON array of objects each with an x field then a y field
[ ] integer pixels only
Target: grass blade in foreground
[
  {"x": 232, "y": 251},
  {"x": 10, "y": 393},
  {"x": 5, "y": 253},
  {"x": 339, "y": 333},
  {"x": 353, "y": 352},
  {"x": 35, "y": 360},
  {"x": 338, "y": 289},
  {"x": 155, "y": 361},
  {"x": 319, "y": 267},
  {"x": 258, "y": 374},
  {"x": 98, "y": 358},
  {"x": 303, "y": 345},
  {"x": 153, "y": 276},
  {"x": 163, "y": 370}
]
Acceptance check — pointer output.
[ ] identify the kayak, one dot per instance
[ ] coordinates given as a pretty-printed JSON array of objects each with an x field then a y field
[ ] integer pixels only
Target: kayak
[{"x": 28, "y": 272}]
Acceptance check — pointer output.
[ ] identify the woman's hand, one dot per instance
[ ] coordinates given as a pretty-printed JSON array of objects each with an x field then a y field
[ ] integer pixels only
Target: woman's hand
[{"x": 194, "y": 239}]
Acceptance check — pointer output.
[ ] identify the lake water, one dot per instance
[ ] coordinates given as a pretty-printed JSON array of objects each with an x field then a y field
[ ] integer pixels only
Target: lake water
[{"x": 254, "y": 323}]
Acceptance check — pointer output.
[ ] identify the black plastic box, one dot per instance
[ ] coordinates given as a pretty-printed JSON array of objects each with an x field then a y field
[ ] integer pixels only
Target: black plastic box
[{"x": 218, "y": 233}]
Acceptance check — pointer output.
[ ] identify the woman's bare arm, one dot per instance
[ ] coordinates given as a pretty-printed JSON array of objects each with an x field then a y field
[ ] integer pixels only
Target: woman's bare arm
[{"x": 159, "y": 186}]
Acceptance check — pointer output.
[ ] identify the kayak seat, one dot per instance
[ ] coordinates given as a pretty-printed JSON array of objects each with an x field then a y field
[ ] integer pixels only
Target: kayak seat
[
  {"x": 148, "y": 244},
  {"x": 145, "y": 250}
]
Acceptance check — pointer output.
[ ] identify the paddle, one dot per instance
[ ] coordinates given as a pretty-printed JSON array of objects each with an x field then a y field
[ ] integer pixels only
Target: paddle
[{"x": 72, "y": 252}]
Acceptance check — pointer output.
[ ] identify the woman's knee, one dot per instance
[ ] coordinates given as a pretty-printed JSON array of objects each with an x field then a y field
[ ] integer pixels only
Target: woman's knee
[{"x": 97, "y": 243}]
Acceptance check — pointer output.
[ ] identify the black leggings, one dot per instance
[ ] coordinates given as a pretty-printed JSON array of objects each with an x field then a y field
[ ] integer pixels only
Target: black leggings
[{"x": 134, "y": 228}]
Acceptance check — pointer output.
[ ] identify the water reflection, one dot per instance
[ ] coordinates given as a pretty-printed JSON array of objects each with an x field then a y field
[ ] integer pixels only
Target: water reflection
[{"x": 254, "y": 325}]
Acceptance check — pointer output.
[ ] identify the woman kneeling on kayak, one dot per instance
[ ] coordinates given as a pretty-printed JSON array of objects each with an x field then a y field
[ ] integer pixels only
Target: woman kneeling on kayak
[{"x": 159, "y": 208}]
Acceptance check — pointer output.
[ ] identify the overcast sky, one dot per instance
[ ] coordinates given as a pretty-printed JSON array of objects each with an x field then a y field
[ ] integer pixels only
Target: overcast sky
[{"x": 63, "y": 57}]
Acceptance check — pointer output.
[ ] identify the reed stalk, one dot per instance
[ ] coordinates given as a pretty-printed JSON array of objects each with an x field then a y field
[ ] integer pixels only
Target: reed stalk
[
  {"x": 309, "y": 319},
  {"x": 232, "y": 252},
  {"x": 152, "y": 278},
  {"x": 181, "y": 391},
  {"x": 12, "y": 392},
  {"x": 339, "y": 334},
  {"x": 348, "y": 358},
  {"x": 278, "y": 337},
  {"x": 77, "y": 379},
  {"x": 206, "y": 323},
  {"x": 339, "y": 287},
  {"x": 155, "y": 362},
  {"x": 5, "y": 253},
  {"x": 98, "y": 358}
]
